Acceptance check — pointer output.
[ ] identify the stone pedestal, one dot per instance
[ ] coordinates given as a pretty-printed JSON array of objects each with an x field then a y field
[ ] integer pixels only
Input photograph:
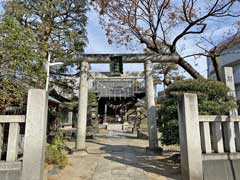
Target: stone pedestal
[
  {"x": 92, "y": 122},
  {"x": 128, "y": 128},
  {"x": 70, "y": 117}
]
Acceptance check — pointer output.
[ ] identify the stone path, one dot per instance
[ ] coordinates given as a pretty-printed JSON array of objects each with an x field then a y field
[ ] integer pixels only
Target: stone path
[{"x": 119, "y": 156}]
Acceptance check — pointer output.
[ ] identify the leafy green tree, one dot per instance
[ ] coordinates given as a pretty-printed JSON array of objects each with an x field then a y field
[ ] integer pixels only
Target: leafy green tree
[
  {"x": 58, "y": 26},
  {"x": 18, "y": 62},
  {"x": 12, "y": 93},
  {"x": 29, "y": 29},
  {"x": 17, "y": 51},
  {"x": 213, "y": 99}
]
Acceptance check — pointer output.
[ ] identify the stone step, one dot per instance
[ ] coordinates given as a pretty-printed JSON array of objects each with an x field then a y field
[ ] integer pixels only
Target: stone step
[{"x": 114, "y": 127}]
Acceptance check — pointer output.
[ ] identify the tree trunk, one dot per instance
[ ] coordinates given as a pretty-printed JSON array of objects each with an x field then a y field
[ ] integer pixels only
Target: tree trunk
[
  {"x": 217, "y": 68},
  {"x": 42, "y": 71},
  {"x": 186, "y": 66}
]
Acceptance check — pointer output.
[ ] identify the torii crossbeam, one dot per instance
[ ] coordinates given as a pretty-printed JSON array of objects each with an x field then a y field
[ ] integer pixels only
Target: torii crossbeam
[{"x": 126, "y": 58}]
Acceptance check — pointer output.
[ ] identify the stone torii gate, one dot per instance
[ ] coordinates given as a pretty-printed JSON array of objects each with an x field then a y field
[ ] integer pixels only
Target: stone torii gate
[{"x": 148, "y": 61}]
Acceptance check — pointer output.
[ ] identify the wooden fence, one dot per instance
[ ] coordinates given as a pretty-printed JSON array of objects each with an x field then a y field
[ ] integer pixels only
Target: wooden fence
[
  {"x": 210, "y": 145},
  {"x": 28, "y": 163}
]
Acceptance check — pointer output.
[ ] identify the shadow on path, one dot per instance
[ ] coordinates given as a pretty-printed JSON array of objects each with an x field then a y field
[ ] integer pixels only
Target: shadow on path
[{"x": 165, "y": 164}]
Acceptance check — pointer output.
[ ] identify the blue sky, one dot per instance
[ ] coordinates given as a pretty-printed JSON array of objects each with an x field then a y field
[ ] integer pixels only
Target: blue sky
[{"x": 98, "y": 45}]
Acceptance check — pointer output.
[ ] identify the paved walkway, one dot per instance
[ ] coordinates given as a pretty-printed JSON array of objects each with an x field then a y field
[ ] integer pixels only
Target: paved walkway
[{"x": 119, "y": 156}]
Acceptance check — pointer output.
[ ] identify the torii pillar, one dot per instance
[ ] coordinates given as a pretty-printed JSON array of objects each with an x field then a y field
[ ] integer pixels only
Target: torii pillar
[
  {"x": 151, "y": 110},
  {"x": 82, "y": 107}
]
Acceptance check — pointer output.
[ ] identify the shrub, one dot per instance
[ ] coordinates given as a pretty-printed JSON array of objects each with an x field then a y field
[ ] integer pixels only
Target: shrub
[
  {"x": 55, "y": 152},
  {"x": 12, "y": 93},
  {"x": 213, "y": 99},
  {"x": 92, "y": 98}
]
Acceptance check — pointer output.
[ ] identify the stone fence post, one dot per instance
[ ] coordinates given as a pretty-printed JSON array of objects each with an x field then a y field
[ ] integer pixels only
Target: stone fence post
[
  {"x": 230, "y": 83},
  {"x": 190, "y": 143},
  {"x": 228, "y": 127},
  {"x": 35, "y": 135}
]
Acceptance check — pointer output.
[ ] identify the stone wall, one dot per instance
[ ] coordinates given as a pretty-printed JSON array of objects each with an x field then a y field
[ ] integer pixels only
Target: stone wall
[{"x": 221, "y": 170}]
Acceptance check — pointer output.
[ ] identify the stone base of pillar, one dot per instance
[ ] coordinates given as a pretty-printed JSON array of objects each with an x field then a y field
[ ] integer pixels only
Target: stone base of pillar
[
  {"x": 80, "y": 152},
  {"x": 155, "y": 150},
  {"x": 142, "y": 134},
  {"x": 142, "y": 131},
  {"x": 105, "y": 123}
]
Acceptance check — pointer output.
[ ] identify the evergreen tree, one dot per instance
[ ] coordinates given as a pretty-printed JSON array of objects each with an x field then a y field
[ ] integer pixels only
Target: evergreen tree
[
  {"x": 29, "y": 29},
  {"x": 18, "y": 62},
  {"x": 59, "y": 27}
]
